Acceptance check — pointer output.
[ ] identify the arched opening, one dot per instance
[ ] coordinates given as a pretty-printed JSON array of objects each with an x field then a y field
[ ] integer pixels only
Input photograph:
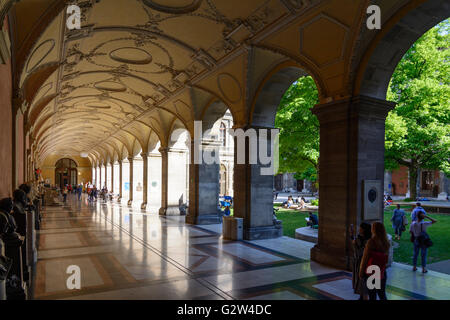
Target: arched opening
[
  {"x": 256, "y": 206},
  {"x": 125, "y": 180},
  {"x": 66, "y": 172},
  {"x": 298, "y": 169},
  {"x": 154, "y": 175},
  {"x": 116, "y": 182}
]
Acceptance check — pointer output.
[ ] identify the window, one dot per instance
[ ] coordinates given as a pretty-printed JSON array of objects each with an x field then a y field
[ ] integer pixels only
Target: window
[{"x": 223, "y": 134}]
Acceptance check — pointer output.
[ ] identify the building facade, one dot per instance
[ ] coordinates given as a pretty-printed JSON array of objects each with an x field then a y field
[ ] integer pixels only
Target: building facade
[{"x": 430, "y": 183}]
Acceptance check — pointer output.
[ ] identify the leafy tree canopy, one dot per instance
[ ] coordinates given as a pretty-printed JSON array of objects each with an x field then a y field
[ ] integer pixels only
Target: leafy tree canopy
[
  {"x": 418, "y": 129},
  {"x": 299, "y": 129}
]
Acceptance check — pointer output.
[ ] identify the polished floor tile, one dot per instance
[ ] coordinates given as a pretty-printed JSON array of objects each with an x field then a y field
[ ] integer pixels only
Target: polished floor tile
[{"x": 124, "y": 253}]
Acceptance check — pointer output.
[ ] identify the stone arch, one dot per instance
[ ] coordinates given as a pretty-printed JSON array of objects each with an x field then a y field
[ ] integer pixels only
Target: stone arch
[
  {"x": 396, "y": 37},
  {"x": 270, "y": 92}
]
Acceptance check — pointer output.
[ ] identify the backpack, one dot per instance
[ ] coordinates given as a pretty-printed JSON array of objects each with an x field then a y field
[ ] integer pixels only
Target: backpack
[{"x": 424, "y": 239}]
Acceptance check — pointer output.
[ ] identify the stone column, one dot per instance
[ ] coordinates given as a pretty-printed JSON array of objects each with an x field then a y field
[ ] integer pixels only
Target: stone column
[
  {"x": 204, "y": 186},
  {"x": 130, "y": 200},
  {"x": 95, "y": 176},
  {"x": 253, "y": 191},
  {"x": 388, "y": 182},
  {"x": 112, "y": 176},
  {"x": 100, "y": 176},
  {"x": 106, "y": 175},
  {"x": 164, "y": 179},
  {"x": 351, "y": 151},
  {"x": 145, "y": 180},
  {"x": 442, "y": 190},
  {"x": 120, "y": 181}
]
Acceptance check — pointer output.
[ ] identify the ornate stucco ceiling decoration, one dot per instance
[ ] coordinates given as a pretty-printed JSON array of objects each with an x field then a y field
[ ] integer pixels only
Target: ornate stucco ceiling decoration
[{"x": 136, "y": 67}]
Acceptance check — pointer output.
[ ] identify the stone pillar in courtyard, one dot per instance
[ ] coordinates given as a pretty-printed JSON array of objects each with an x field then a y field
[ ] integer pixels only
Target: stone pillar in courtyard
[
  {"x": 106, "y": 175},
  {"x": 351, "y": 170},
  {"x": 145, "y": 180},
  {"x": 100, "y": 176},
  {"x": 204, "y": 184},
  {"x": 253, "y": 192},
  {"x": 130, "y": 199},
  {"x": 120, "y": 181}
]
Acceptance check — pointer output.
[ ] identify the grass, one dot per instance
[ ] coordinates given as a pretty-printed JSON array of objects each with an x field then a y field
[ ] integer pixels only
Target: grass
[
  {"x": 439, "y": 233},
  {"x": 292, "y": 220}
]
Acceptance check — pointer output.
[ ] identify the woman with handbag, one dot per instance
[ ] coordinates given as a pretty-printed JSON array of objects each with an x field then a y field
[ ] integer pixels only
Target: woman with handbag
[
  {"x": 420, "y": 239},
  {"x": 376, "y": 253}
]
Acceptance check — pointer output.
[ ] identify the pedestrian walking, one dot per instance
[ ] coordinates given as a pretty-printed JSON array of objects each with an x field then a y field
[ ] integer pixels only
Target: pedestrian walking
[
  {"x": 421, "y": 239},
  {"x": 398, "y": 222},
  {"x": 416, "y": 211}
]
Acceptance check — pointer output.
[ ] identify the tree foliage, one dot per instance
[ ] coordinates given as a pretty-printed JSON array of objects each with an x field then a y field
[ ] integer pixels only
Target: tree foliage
[
  {"x": 418, "y": 129},
  {"x": 299, "y": 129}
]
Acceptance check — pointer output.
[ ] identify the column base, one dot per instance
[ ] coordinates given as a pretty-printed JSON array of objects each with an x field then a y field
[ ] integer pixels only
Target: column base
[
  {"x": 143, "y": 205},
  {"x": 267, "y": 232},
  {"x": 130, "y": 203},
  {"x": 204, "y": 219},
  {"x": 169, "y": 211},
  {"x": 330, "y": 257},
  {"x": 119, "y": 200}
]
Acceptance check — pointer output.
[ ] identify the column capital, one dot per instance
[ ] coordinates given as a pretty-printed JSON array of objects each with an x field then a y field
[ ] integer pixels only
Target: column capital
[
  {"x": 358, "y": 106},
  {"x": 169, "y": 149},
  {"x": 144, "y": 155},
  {"x": 130, "y": 159},
  {"x": 163, "y": 150}
]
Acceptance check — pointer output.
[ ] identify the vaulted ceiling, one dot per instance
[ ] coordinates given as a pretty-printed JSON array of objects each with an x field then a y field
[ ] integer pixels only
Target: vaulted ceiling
[{"x": 137, "y": 69}]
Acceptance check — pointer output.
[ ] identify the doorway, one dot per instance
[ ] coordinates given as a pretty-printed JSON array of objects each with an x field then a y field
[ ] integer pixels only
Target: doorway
[{"x": 66, "y": 172}]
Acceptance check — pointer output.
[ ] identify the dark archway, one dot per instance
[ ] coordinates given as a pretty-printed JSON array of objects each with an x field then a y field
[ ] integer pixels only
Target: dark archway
[{"x": 66, "y": 172}]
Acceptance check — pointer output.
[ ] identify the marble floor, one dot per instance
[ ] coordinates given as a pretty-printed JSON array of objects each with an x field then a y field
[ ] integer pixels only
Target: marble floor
[{"x": 124, "y": 254}]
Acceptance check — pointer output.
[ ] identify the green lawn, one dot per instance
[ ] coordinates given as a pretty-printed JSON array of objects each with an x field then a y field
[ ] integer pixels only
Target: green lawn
[
  {"x": 439, "y": 233},
  {"x": 292, "y": 220}
]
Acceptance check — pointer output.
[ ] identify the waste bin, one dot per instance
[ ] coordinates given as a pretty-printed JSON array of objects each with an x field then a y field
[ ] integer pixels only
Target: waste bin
[{"x": 233, "y": 228}]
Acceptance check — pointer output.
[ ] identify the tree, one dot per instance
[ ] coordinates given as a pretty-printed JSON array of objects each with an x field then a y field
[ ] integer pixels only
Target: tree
[
  {"x": 299, "y": 129},
  {"x": 418, "y": 129}
]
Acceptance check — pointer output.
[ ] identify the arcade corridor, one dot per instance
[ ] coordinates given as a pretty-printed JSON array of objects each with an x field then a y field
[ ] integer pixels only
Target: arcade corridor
[
  {"x": 125, "y": 254},
  {"x": 168, "y": 107}
]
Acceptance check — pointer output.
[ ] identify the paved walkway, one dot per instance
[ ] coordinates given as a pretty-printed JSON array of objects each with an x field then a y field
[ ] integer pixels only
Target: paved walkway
[
  {"x": 125, "y": 254},
  {"x": 442, "y": 266}
]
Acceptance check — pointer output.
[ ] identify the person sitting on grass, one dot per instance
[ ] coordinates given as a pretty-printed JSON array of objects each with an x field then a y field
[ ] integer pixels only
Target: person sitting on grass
[
  {"x": 313, "y": 220},
  {"x": 301, "y": 203},
  {"x": 289, "y": 202}
]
